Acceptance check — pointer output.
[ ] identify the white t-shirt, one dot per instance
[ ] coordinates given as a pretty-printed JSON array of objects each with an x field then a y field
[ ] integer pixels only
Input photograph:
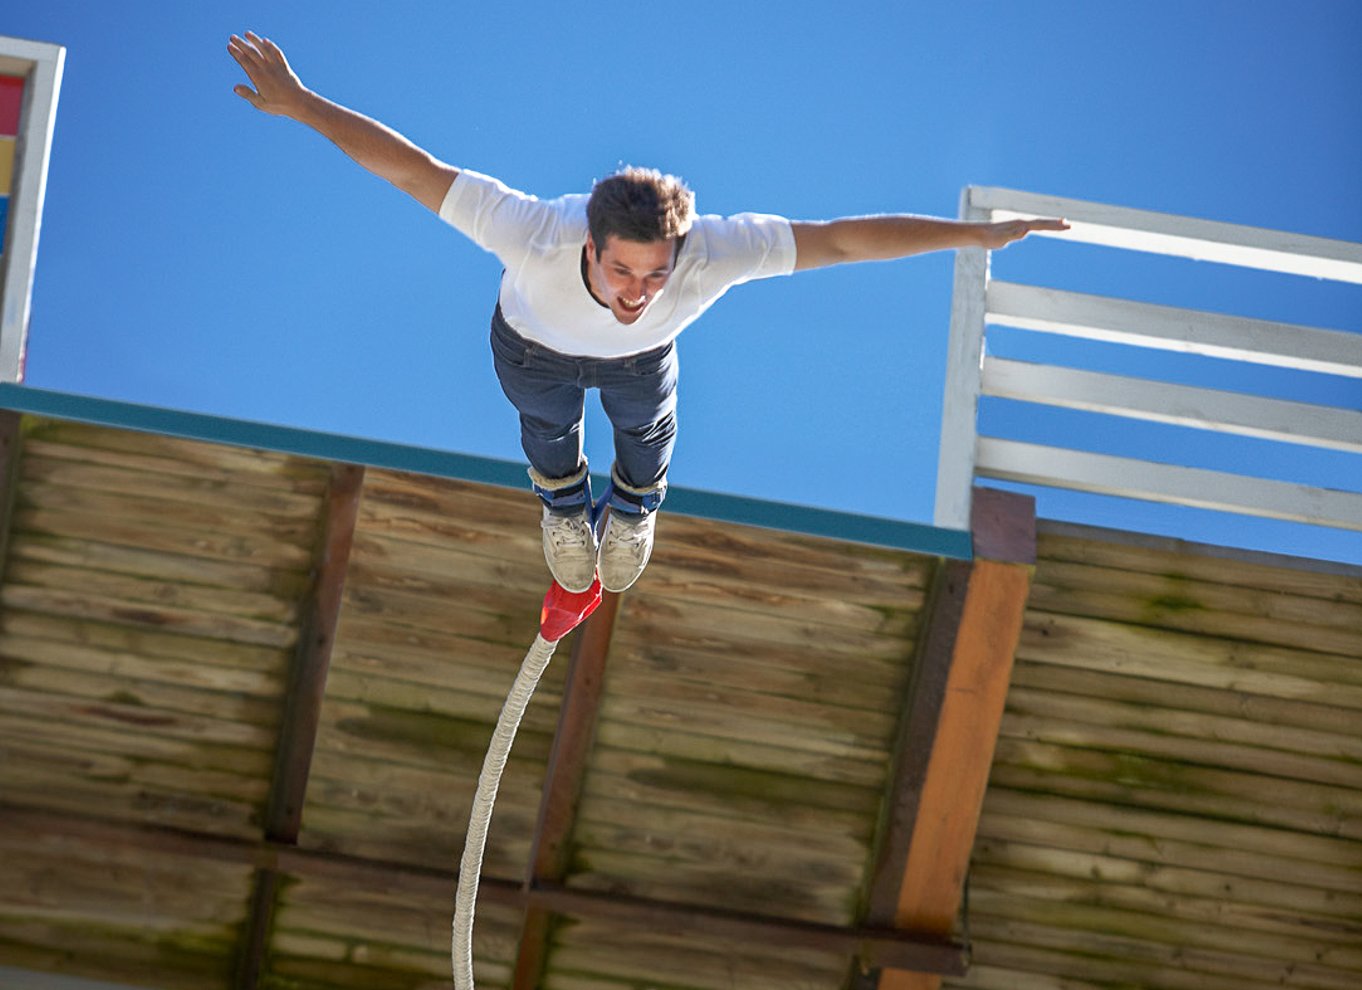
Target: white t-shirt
[{"x": 543, "y": 296}]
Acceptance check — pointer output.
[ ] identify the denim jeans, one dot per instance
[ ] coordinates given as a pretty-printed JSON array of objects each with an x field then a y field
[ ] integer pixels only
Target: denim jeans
[{"x": 638, "y": 394}]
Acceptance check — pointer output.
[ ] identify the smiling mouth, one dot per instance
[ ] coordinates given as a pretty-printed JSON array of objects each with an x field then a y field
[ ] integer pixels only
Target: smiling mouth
[{"x": 633, "y": 307}]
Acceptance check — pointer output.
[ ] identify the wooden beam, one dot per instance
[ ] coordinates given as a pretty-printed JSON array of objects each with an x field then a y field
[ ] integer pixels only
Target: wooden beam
[
  {"x": 1187, "y": 237},
  {"x": 1186, "y": 331},
  {"x": 1128, "y": 477},
  {"x": 563, "y": 781},
  {"x": 876, "y": 946},
  {"x": 916, "y": 733},
  {"x": 11, "y": 444},
  {"x": 1305, "y": 423},
  {"x": 302, "y": 708},
  {"x": 317, "y": 633},
  {"x": 950, "y": 728}
]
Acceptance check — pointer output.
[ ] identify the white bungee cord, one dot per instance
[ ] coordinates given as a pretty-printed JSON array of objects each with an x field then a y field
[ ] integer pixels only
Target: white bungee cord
[{"x": 563, "y": 611}]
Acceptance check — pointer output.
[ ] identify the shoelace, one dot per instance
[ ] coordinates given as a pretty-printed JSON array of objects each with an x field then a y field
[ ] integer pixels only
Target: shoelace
[
  {"x": 565, "y": 536},
  {"x": 629, "y": 534}
]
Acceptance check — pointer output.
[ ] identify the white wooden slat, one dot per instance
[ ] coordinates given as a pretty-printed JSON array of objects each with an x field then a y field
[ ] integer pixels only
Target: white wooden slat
[
  {"x": 1187, "y": 237},
  {"x": 1010, "y": 460},
  {"x": 1209, "y": 409},
  {"x": 42, "y": 65},
  {"x": 955, "y": 465},
  {"x": 1121, "y": 321}
]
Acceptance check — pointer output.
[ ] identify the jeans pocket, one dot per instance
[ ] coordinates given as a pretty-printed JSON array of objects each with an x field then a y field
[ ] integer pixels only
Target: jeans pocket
[
  {"x": 508, "y": 347},
  {"x": 651, "y": 363}
]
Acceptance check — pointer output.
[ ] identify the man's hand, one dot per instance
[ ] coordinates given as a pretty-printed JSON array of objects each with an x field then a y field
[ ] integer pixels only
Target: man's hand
[
  {"x": 1003, "y": 233},
  {"x": 277, "y": 88},
  {"x": 378, "y": 148}
]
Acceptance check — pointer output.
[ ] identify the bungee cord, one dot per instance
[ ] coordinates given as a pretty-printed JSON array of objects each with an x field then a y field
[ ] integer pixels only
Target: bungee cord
[{"x": 563, "y": 611}]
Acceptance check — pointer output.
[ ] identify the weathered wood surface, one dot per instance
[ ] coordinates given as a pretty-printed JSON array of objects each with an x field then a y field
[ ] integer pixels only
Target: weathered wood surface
[
  {"x": 596, "y": 954},
  {"x": 744, "y": 735},
  {"x": 1176, "y": 799},
  {"x": 91, "y": 910}
]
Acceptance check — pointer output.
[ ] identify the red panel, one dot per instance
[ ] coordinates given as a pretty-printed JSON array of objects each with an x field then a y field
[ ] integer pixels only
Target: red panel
[{"x": 11, "y": 96}]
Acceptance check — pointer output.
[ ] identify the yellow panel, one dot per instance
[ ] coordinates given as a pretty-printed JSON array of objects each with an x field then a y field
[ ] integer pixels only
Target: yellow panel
[{"x": 6, "y": 163}]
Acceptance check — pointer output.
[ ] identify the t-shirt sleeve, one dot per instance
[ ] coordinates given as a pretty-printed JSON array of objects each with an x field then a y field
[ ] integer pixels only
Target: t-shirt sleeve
[
  {"x": 749, "y": 246},
  {"x": 497, "y": 218}
]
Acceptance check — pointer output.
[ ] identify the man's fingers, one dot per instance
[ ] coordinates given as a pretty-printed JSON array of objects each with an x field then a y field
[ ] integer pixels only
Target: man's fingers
[
  {"x": 247, "y": 94},
  {"x": 1049, "y": 224}
]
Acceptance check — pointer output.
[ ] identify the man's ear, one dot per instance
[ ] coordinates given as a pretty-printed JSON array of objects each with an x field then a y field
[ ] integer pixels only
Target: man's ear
[{"x": 591, "y": 248}]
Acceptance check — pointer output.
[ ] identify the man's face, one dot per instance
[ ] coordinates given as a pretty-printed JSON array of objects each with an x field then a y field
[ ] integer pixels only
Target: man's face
[{"x": 628, "y": 275}]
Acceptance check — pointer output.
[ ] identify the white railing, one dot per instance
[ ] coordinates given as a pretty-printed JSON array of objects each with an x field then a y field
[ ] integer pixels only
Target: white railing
[
  {"x": 40, "y": 66},
  {"x": 980, "y": 302}
]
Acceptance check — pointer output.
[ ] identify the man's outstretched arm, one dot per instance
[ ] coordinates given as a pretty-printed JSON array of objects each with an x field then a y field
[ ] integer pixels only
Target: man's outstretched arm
[
  {"x": 881, "y": 238},
  {"x": 378, "y": 148}
]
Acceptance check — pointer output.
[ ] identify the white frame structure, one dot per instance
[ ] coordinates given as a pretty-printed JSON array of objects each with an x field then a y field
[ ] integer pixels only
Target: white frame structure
[
  {"x": 980, "y": 302},
  {"x": 40, "y": 64}
]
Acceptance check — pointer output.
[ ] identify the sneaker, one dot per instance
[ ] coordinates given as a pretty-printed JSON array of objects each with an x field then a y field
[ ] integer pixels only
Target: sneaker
[
  {"x": 570, "y": 549},
  {"x": 625, "y": 548}
]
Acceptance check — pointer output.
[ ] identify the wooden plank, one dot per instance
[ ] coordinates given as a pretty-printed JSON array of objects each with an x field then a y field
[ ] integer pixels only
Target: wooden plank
[
  {"x": 139, "y": 720},
  {"x": 743, "y": 793},
  {"x": 1187, "y": 237},
  {"x": 147, "y": 534},
  {"x": 1124, "y": 477},
  {"x": 717, "y": 626},
  {"x": 1138, "y": 324},
  {"x": 866, "y": 684},
  {"x": 1182, "y": 658},
  {"x": 177, "y": 594},
  {"x": 150, "y": 564},
  {"x": 223, "y": 494},
  {"x": 153, "y": 696},
  {"x": 1209, "y": 793},
  {"x": 161, "y": 453},
  {"x": 1325, "y": 427},
  {"x": 671, "y": 741},
  {"x": 1211, "y": 609},
  {"x": 1165, "y": 837},
  {"x": 824, "y": 734},
  {"x": 1154, "y": 940},
  {"x": 188, "y": 516},
  {"x": 955, "y": 467},
  {"x": 102, "y": 608},
  {"x": 1330, "y": 914},
  {"x": 1285, "y": 932},
  {"x": 1143, "y": 553},
  {"x": 1197, "y": 739},
  {"x": 1294, "y": 726},
  {"x": 143, "y": 642}
]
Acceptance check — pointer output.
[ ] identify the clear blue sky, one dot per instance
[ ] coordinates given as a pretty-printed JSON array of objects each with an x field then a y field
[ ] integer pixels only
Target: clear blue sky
[{"x": 198, "y": 255}]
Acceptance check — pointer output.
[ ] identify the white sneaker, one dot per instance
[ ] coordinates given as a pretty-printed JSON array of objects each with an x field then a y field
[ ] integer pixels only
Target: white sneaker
[
  {"x": 625, "y": 548},
  {"x": 570, "y": 549}
]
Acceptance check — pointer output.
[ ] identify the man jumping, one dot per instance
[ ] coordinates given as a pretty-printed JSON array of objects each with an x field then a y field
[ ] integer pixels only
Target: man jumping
[{"x": 595, "y": 290}]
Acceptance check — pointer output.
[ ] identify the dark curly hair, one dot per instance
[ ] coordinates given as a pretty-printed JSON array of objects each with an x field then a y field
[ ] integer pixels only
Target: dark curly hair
[{"x": 639, "y": 204}]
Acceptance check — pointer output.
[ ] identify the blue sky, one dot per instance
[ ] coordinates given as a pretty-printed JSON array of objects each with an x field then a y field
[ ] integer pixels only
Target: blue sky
[{"x": 198, "y": 255}]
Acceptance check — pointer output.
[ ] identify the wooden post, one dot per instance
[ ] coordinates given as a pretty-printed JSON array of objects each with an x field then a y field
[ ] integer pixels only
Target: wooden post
[{"x": 950, "y": 728}]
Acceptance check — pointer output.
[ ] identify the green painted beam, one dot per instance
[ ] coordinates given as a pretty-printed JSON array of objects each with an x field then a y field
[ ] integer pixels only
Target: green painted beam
[{"x": 876, "y": 531}]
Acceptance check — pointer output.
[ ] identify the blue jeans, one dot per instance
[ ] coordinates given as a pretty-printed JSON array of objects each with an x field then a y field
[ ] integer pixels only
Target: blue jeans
[{"x": 638, "y": 394}]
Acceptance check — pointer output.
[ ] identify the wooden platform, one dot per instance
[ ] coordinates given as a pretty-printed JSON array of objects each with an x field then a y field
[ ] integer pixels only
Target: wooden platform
[{"x": 244, "y": 698}]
